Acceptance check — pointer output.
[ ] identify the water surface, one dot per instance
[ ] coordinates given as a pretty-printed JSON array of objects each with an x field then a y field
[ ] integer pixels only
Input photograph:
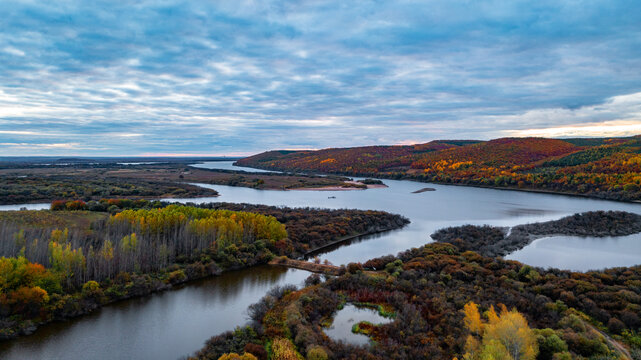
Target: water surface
[
  {"x": 581, "y": 253},
  {"x": 347, "y": 317},
  {"x": 40, "y": 206},
  {"x": 166, "y": 325},
  {"x": 228, "y": 165},
  {"x": 447, "y": 206}
]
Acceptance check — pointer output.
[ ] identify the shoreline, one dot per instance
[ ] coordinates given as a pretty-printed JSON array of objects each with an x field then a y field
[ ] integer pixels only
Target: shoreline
[
  {"x": 348, "y": 238},
  {"x": 337, "y": 188},
  {"x": 32, "y": 326},
  {"x": 305, "y": 266},
  {"x": 341, "y": 188},
  {"x": 495, "y": 241},
  {"x": 541, "y": 191}
]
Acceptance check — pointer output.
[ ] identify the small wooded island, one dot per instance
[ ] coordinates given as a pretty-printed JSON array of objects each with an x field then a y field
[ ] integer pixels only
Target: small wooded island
[{"x": 495, "y": 241}]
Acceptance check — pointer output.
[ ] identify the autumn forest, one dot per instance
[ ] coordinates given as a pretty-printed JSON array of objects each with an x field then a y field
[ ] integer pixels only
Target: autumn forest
[{"x": 607, "y": 168}]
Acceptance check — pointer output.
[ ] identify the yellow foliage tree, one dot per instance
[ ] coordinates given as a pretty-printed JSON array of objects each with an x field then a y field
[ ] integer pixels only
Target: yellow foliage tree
[
  {"x": 504, "y": 337},
  {"x": 234, "y": 356},
  {"x": 472, "y": 318},
  {"x": 283, "y": 349}
]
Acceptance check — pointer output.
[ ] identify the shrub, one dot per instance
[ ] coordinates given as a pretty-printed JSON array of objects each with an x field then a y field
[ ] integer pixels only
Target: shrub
[
  {"x": 177, "y": 276},
  {"x": 283, "y": 349},
  {"x": 562, "y": 356},
  {"x": 91, "y": 289},
  {"x": 615, "y": 326},
  {"x": 234, "y": 356},
  {"x": 354, "y": 268},
  {"x": 58, "y": 205},
  {"x": 76, "y": 205},
  {"x": 316, "y": 353},
  {"x": 257, "y": 350},
  {"x": 313, "y": 279},
  {"x": 549, "y": 344}
]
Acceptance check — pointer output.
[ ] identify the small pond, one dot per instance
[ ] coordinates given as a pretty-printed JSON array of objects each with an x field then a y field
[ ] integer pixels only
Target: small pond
[{"x": 347, "y": 317}]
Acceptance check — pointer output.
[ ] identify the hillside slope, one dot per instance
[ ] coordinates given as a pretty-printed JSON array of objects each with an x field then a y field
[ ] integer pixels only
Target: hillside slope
[{"x": 604, "y": 168}]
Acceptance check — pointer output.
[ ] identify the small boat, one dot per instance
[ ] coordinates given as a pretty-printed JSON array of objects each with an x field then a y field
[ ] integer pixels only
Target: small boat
[{"x": 331, "y": 197}]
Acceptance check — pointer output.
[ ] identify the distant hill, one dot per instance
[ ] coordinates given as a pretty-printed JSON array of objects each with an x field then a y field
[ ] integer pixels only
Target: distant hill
[{"x": 603, "y": 167}]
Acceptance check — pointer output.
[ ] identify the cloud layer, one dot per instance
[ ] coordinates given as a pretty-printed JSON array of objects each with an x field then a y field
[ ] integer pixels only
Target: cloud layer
[{"x": 237, "y": 77}]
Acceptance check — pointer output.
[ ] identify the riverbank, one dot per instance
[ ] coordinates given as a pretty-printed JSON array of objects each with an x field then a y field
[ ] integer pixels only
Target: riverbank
[
  {"x": 348, "y": 238},
  {"x": 355, "y": 186},
  {"x": 495, "y": 241},
  {"x": 399, "y": 176},
  {"x": 607, "y": 168},
  {"x": 131, "y": 282},
  {"x": 81, "y": 304}
]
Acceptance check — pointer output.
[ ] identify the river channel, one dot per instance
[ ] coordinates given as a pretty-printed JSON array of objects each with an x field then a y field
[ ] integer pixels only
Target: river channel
[{"x": 176, "y": 323}]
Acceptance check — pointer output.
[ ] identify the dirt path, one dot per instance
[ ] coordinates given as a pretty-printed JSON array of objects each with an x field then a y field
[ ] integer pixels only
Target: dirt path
[{"x": 623, "y": 351}]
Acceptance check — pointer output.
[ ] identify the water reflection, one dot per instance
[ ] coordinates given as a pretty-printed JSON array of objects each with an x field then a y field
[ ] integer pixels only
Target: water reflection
[
  {"x": 40, "y": 206},
  {"x": 332, "y": 248},
  {"x": 346, "y": 318},
  {"x": 228, "y": 165},
  {"x": 166, "y": 325},
  {"x": 581, "y": 253}
]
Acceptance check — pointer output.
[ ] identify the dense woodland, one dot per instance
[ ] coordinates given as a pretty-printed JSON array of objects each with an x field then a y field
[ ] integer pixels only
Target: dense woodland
[
  {"x": 310, "y": 229},
  {"x": 604, "y": 168},
  {"x": 495, "y": 241},
  {"x": 67, "y": 261},
  {"x": 446, "y": 304},
  {"x": 20, "y": 190}
]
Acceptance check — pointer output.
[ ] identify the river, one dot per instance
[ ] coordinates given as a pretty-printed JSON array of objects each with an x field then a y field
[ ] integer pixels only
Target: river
[{"x": 176, "y": 323}]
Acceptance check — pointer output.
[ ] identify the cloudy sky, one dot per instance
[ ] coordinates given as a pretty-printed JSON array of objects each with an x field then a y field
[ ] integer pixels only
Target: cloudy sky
[{"x": 238, "y": 77}]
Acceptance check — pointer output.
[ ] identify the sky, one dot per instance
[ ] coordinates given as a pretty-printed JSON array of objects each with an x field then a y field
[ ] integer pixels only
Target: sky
[{"x": 237, "y": 77}]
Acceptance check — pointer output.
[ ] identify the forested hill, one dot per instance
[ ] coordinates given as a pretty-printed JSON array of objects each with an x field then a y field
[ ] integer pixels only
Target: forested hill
[{"x": 605, "y": 168}]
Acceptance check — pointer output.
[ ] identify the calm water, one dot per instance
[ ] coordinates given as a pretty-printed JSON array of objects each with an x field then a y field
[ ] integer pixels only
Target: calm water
[
  {"x": 167, "y": 325},
  {"x": 451, "y": 206},
  {"x": 228, "y": 165},
  {"x": 347, "y": 317},
  {"x": 581, "y": 254},
  {"x": 176, "y": 323},
  {"x": 39, "y": 206}
]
